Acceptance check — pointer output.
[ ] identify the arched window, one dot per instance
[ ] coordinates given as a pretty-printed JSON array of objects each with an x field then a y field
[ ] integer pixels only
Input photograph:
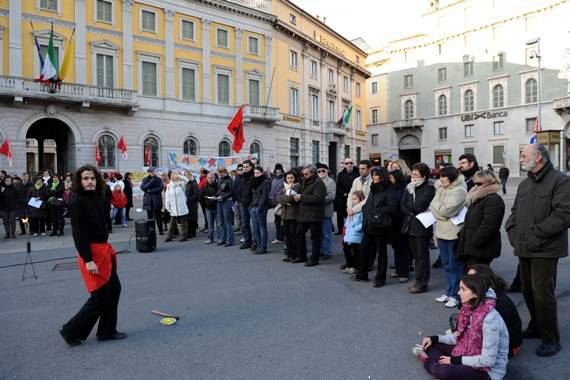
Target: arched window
[
  {"x": 531, "y": 90},
  {"x": 224, "y": 149},
  {"x": 255, "y": 148},
  {"x": 442, "y": 105},
  {"x": 190, "y": 147},
  {"x": 498, "y": 96},
  {"x": 468, "y": 101},
  {"x": 409, "y": 110},
  {"x": 106, "y": 145},
  {"x": 151, "y": 155}
]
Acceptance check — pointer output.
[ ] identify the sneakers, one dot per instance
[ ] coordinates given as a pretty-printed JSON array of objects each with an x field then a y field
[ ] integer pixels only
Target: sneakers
[
  {"x": 442, "y": 299},
  {"x": 276, "y": 241},
  {"x": 209, "y": 241},
  {"x": 451, "y": 303},
  {"x": 419, "y": 353},
  {"x": 349, "y": 270},
  {"x": 125, "y": 225}
]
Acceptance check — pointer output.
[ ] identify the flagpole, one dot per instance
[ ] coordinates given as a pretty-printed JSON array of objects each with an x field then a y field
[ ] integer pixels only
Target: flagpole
[{"x": 269, "y": 92}]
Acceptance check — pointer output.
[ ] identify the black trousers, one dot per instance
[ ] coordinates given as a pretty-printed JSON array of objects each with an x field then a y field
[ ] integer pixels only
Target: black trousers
[
  {"x": 279, "y": 230},
  {"x": 372, "y": 245},
  {"x": 9, "y": 219},
  {"x": 102, "y": 306},
  {"x": 157, "y": 216},
  {"x": 203, "y": 207},
  {"x": 290, "y": 229},
  {"x": 57, "y": 220},
  {"x": 419, "y": 246},
  {"x": 401, "y": 249},
  {"x": 538, "y": 282},
  {"x": 315, "y": 229},
  {"x": 477, "y": 260},
  {"x": 37, "y": 225},
  {"x": 340, "y": 217},
  {"x": 351, "y": 253}
]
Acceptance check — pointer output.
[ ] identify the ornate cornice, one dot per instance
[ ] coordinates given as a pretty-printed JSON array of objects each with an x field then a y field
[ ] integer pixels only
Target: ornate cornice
[
  {"x": 223, "y": 55},
  {"x": 254, "y": 61},
  {"x": 103, "y": 31},
  {"x": 239, "y": 9},
  {"x": 187, "y": 48},
  {"x": 148, "y": 40},
  {"x": 47, "y": 20}
]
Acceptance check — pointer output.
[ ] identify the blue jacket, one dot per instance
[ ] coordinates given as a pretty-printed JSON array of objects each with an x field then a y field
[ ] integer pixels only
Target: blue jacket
[
  {"x": 152, "y": 187},
  {"x": 353, "y": 229}
]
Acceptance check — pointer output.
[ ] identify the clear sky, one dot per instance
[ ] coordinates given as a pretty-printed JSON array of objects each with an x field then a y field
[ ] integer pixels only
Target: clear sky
[{"x": 377, "y": 21}]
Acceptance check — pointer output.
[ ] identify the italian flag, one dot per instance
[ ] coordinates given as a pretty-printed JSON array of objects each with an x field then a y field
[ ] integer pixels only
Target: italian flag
[
  {"x": 50, "y": 70},
  {"x": 345, "y": 118}
]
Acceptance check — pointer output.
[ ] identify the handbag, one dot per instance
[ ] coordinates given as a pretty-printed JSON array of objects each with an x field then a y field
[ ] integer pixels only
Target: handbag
[
  {"x": 55, "y": 202},
  {"x": 278, "y": 210},
  {"x": 405, "y": 229},
  {"x": 380, "y": 221}
]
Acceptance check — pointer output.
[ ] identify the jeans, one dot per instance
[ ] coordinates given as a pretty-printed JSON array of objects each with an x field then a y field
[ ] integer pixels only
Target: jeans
[
  {"x": 245, "y": 224},
  {"x": 225, "y": 219},
  {"x": 211, "y": 220},
  {"x": 122, "y": 213},
  {"x": 454, "y": 269},
  {"x": 259, "y": 227},
  {"x": 326, "y": 236}
]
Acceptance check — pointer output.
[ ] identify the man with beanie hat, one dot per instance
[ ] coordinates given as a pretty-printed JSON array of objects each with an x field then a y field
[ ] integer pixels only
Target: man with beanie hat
[
  {"x": 277, "y": 184},
  {"x": 327, "y": 226}
]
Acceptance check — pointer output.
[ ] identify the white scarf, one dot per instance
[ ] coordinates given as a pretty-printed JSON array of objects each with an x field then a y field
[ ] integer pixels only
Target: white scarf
[{"x": 411, "y": 187}]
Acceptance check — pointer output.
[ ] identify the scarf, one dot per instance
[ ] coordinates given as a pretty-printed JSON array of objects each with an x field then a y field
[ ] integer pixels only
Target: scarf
[
  {"x": 54, "y": 185},
  {"x": 38, "y": 186},
  {"x": 480, "y": 192},
  {"x": 469, "y": 332},
  {"x": 415, "y": 183}
]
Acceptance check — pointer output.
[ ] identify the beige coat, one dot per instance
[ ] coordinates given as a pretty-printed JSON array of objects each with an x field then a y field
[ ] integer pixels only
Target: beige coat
[
  {"x": 358, "y": 185},
  {"x": 447, "y": 203}
]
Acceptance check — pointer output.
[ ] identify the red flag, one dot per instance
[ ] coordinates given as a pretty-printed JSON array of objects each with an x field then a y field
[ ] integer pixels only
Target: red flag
[
  {"x": 147, "y": 155},
  {"x": 236, "y": 129},
  {"x": 97, "y": 154},
  {"x": 536, "y": 126},
  {"x": 6, "y": 151},
  {"x": 122, "y": 145}
]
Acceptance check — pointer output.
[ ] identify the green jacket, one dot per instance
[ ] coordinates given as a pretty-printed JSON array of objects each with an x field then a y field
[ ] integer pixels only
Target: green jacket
[{"x": 540, "y": 215}]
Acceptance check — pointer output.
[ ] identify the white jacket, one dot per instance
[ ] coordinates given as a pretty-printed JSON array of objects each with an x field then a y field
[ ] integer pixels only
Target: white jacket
[{"x": 175, "y": 197}]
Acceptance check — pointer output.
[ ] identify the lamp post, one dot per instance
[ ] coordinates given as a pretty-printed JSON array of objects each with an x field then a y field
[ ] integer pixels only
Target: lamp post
[{"x": 536, "y": 54}]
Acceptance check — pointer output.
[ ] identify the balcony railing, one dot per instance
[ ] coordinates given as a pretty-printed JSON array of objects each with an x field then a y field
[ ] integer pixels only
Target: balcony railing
[
  {"x": 332, "y": 127},
  {"x": 21, "y": 88},
  {"x": 408, "y": 124},
  {"x": 257, "y": 4},
  {"x": 261, "y": 113},
  {"x": 561, "y": 105}
]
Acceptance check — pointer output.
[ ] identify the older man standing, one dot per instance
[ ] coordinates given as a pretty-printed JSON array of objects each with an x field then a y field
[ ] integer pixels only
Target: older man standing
[
  {"x": 327, "y": 225},
  {"x": 537, "y": 230},
  {"x": 361, "y": 183}
]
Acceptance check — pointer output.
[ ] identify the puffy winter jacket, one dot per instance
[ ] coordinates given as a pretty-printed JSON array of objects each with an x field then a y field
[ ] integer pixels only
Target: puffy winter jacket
[
  {"x": 353, "y": 232},
  {"x": 447, "y": 203},
  {"x": 175, "y": 197}
]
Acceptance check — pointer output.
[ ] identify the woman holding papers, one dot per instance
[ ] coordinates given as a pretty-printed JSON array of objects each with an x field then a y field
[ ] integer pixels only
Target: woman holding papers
[
  {"x": 449, "y": 200},
  {"x": 289, "y": 212},
  {"x": 480, "y": 239},
  {"x": 416, "y": 199},
  {"x": 37, "y": 207}
]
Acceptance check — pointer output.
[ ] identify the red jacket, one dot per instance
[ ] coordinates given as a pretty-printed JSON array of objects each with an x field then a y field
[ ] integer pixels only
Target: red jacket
[
  {"x": 119, "y": 199},
  {"x": 202, "y": 182}
]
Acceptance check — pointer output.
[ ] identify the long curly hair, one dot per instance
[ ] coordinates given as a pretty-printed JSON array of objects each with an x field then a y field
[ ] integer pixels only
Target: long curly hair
[{"x": 76, "y": 186}]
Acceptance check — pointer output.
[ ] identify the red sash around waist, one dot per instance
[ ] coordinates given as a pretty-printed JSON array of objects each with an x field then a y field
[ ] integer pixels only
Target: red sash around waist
[{"x": 103, "y": 255}]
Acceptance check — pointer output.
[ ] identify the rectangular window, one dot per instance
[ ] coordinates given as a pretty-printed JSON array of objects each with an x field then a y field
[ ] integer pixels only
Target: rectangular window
[
  {"x": 48, "y": 5},
  {"x": 253, "y": 45},
  {"x": 467, "y": 68},
  {"x": 357, "y": 90},
  {"x": 149, "y": 83},
  {"x": 189, "y": 84},
  {"x": 331, "y": 76},
  {"x": 223, "y": 88},
  {"x": 443, "y": 133},
  {"x": 314, "y": 107},
  {"x": 293, "y": 19},
  {"x": 293, "y": 101},
  {"x": 374, "y": 87},
  {"x": 358, "y": 120},
  {"x": 469, "y": 150},
  {"x": 358, "y": 154},
  {"x": 442, "y": 74},
  {"x": 105, "y": 11},
  {"x": 408, "y": 81},
  {"x": 315, "y": 152},
  {"x": 498, "y": 128},
  {"x": 293, "y": 59},
  {"x": 530, "y": 124},
  {"x": 222, "y": 38},
  {"x": 374, "y": 116},
  {"x": 498, "y": 61},
  {"x": 374, "y": 139},
  {"x": 254, "y": 92},
  {"x": 345, "y": 83},
  {"x": 314, "y": 70},
  {"x": 148, "y": 21},
  {"x": 294, "y": 151},
  {"x": 331, "y": 111},
  {"x": 346, "y": 151},
  {"x": 187, "y": 29},
  {"x": 499, "y": 154},
  {"x": 104, "y": 71},
  {"x": 468, "y": 130}
]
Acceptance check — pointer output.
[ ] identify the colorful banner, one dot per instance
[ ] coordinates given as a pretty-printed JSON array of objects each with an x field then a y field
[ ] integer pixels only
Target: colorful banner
[{"x": 195, "y": 163}]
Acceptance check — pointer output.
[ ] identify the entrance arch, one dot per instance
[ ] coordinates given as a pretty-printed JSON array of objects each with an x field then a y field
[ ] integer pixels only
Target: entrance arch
[
  {"x": 50, "y": 144},
  {"x": 409, "y": 149}
]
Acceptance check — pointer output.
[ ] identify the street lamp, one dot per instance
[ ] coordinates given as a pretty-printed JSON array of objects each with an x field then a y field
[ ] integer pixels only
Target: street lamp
[{"x": 536, "y": 54}]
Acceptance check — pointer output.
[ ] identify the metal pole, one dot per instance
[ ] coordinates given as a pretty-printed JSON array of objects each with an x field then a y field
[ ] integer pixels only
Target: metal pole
[{"x": 539, "y": 74}]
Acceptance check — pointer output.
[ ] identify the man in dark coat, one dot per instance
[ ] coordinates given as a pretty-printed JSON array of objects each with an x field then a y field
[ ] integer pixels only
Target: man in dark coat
[
  {"x": 192, "y": 198},
  {"x": 128, "y": 190},
  {"x": 310, "y": 215},
  {"x": 152, "y": 201},
  {"x": 344, "y": 181},
  {"x": 245, "y": 195},
  {"x": 10, "y": 201},
  {"x": 538, "y": 231},
  {"x": 468, "y": 166},
  {"x": 504, "y": 176}
]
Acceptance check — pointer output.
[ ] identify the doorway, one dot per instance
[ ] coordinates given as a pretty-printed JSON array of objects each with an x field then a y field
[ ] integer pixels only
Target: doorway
[
  {"x": 50, "y": 144},
  {"x": 332, "y": 158},
  {"x": 410, "y": 150}
]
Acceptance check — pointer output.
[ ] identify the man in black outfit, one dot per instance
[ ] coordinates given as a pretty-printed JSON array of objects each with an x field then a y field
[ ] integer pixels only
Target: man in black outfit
[
  {"x": 245, "y": 197},
  {"x": 310, "y": 215},
  {"x": 152, "y": 201},
  {"x": 343, "y": 185},
  {"x": 97, "y": 261}
]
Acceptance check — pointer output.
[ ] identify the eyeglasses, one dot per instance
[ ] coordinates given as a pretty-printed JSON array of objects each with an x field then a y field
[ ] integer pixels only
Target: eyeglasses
[
  {"x": 321, "y": 171},
  {"x": 478, "y": 183},
  {"x": 349, "y": 163}
]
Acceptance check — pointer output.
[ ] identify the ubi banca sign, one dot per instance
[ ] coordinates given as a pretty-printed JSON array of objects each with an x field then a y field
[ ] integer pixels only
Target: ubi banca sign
[{"x": 483, "y": 115}]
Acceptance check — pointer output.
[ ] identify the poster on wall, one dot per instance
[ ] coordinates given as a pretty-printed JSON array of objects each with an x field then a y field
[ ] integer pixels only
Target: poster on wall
[{"x": 194, "y": 163}]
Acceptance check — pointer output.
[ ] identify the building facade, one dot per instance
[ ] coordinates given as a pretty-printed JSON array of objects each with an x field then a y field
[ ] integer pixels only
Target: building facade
[{"x": 469, "y": 84}]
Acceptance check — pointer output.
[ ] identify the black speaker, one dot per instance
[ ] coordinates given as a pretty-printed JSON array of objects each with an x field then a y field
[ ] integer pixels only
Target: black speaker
[{"x": 145, "y": 232}]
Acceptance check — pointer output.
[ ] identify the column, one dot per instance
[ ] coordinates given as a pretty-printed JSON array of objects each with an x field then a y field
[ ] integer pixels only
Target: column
[
  {"x": 80, "y": 43},
  {"x": 206, "y": 64},
  {"x": 15, "y": 39},
  {"x": 128, "y": 44},
  {"x": 239, "y": 66},
  {"x": 268, "y": 69},
  {"x": 169, "y": 54}
]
